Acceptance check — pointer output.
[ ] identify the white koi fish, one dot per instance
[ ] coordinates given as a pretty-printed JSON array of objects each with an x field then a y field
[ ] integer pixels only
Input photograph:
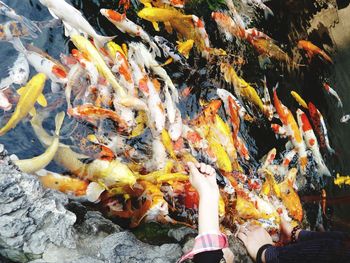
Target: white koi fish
[
  {"x": 345, "y": 118},
  {"x": 73, "y": 20},
  {"x": 18, "y": 73},
  {"x": 9, "y": 12}
]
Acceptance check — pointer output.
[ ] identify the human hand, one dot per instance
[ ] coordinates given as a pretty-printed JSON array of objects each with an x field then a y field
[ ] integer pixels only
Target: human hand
[
  {"x": 203, "y": 179},
  {"x": 228, "y": 255},
  {"x": 254, "y": 237},
  {"x": 286, "y": 232}
]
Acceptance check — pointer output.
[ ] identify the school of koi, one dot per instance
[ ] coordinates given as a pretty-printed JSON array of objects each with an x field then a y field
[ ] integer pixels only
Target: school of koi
[{"x": 127, "y": 86}]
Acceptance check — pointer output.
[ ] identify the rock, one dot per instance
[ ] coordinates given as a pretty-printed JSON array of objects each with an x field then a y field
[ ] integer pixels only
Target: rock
[
  {"x": 39, "y": 225},
  {"x": 180, "y": 233}
]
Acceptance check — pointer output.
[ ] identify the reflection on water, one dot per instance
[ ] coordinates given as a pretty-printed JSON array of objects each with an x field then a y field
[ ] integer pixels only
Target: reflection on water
[{"x": 293, "y": 20}]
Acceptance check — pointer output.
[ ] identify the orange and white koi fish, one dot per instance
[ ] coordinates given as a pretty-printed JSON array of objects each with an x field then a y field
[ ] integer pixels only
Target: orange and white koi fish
[
  {"x": 73, "y": 20},
  {"x": 87, "y": 64},
  {"x": 202, "y": 34},
  {"x": 64, "y": 184},
  {"x": 156, "y": 113},
  {"x": 122, "y": 67},
  {"x": 313, "y": 50},
  {"x": 279, "y": 130},
  {"x": 269, "y": 109},
  {"x": 254, "y": 33},
  {"x": 228, "y": 26},
  {"x": 235, "y": 120},
  {"x": 292, "y": 130},
  {"x": 224, "y": 95},
  {"x": 127, "y": 26},
  {"x": 299, "y": 99},
  {"x": 334, "y": 93},
  {"x": 90, "y": 112},
  {"x": 18, "y": 73},
  {"x": 43, "y": 63},
  {"x": 270, "y": 157},
  {"x": 311, "y": 142},
  {"x": 320, "y": 127}
]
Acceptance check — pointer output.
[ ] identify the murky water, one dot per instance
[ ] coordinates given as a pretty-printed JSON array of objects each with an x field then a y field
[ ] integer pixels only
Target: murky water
[{"x": 290, "y": 16}]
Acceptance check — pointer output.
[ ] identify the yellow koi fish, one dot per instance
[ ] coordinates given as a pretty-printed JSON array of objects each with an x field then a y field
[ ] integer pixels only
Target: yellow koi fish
[
  {"x": 242, "y": 88},
  {"x": 29, "y": 94},
  {"x": 64, "y": 184},
  {"x": 85, "y": 46},
  {"x": 185, "y": 47},
  {"x": 39, "y": 162},
  {"x": 299, "y": 99},
  {"x": 340, "y": 180}
]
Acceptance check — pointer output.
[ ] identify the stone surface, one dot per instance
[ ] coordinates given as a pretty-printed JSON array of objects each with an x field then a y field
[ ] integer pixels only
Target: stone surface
[{"x": 39, "y": 225}]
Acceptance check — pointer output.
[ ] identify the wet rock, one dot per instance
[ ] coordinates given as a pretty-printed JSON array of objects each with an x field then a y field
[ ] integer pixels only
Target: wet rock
[
  {"x": 179, "y": 234},
  {"x": 38, "y": 225}
]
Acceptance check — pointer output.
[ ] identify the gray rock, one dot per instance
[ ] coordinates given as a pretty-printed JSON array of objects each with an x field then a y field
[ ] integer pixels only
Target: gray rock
[
  {"x": 38, "y": 225},
  {"x": 180, "y": 233}
]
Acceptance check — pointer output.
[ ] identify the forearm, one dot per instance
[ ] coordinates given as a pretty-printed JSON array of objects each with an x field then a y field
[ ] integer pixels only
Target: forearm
[
  {"x": 208, "y": 220},
  {"x": 312, "y": 251}
]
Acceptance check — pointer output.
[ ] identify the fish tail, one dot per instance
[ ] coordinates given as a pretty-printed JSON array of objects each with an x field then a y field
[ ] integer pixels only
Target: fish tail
[
  {"x": 102, "y": 40},
  {"x": 5, "y": 83},
  {"x": 18, "y": 45},
  {"x": 330, "y": 150},
  {"x": 155, "y": 49},
  {"x": 323, "y": 170},
  {"x": 59, "y": 121}
]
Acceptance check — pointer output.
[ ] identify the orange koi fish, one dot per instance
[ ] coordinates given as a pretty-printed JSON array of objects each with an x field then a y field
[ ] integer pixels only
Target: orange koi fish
[
  {"x": 292, "y": 130},
  {"x": 313, "y": 50},
  {"x": 90, "y": 112}
]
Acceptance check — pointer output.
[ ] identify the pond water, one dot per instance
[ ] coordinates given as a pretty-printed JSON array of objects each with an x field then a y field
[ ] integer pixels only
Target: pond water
[{"x": 307, "y": 81}]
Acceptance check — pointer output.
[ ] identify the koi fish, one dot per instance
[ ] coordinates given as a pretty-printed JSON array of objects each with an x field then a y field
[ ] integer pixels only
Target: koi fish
[
  {"x": 169, "y": 51},
  {"x": 334, "y": 93},
  {"x": 4, "y": 102},
  {"x": 43, "y": 63},
  {"x": 340, "y": 180},
  {"x": 18, "y": 73},
  {"x": 224, "y": 95},
  {"x": 313, "y": 50},
  {"x": 254, "y": 33},
  {"x": 228, "y": 26},
  {"x": 73, "y": 20},
  {"x": 127, "y": 26},
  {"x": 86, "y": 47},
  {"x": 320, "y": 127},
  {"x": 260, "y": 4},
  {"x": 9, "y": 12},
  {"x": 74, "y": 75},
  {"x": 29, "y": 94},
  {"x": 299, "y": 99},
  {"x": 242, "y": 88},
  {"x": 267, "y": 101},
  {"x": 266, "y": 47},
  {"x": 88, "y": 65},
  {"x": 311, "y": 142},
  {"x": 37, "y": 163},
  {"x": 64, "y": 184},
  {"x": 94, "y": 113},
  {"x": 279, "y": 130},
  {"x": 175, "y": 128},
  {"x": 290, "y": 197},
  {"x": 156, "y": 113},
  {"x": 12, "y": 30},
  {"x": 345, "y": 118},
  {"x": 185, "y": 47},
  {"x": 292, "y": 130}
]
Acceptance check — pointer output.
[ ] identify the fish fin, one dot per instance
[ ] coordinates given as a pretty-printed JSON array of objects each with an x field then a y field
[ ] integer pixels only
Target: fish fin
[
  {"x": 55, "y": 87},
  {"x": 53, "y": 13},
  {"x": 168, "y": 27},
  {"x": 323, "y": 170},
  {"x": 100, "y": 41},
  {"x": 330, "y": 150},
  {"x": 32, "y": 112},
  {"x": 21, "y": 91},
  {"x": 156, "y": 26},
  {"x": 167, "y": 62},
  {"x": 267, "y": 12},
  {"x": 59, "y": 121},
  {"x": 93, "y": 191},
  {"x": 42, "y": 100},
  {"x": 5, "y": 83}
]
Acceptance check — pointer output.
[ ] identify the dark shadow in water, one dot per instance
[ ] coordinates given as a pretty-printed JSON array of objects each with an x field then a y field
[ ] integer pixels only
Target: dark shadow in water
[{"x": 342, "y": 3}]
